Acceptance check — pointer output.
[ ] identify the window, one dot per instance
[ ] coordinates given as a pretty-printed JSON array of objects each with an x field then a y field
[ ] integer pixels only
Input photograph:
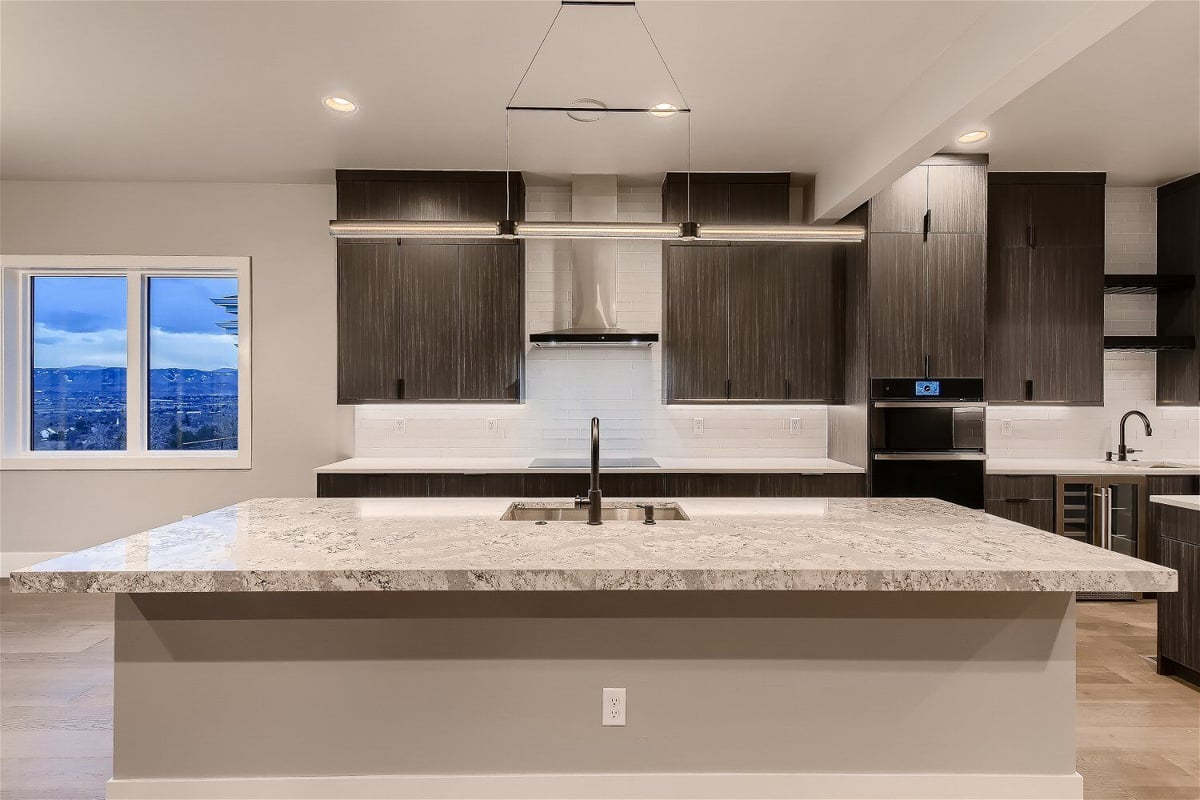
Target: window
[{"x": 126, "y": 362}]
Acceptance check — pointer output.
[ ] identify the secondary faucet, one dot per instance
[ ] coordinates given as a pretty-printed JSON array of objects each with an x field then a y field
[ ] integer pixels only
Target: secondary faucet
[
  {"x": 1124, "y": 452},
  {"x": 594, "y": 497}
]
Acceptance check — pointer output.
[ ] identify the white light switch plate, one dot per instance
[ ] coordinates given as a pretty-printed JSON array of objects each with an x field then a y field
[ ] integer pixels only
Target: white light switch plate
[
  {"x": 401, "y": 426},
  {"x": 1006, "y": 427},
  {"x": 697, "y": 426},
  {"x": 613, "y": 701},
  {"x": 493, "y": 427}
]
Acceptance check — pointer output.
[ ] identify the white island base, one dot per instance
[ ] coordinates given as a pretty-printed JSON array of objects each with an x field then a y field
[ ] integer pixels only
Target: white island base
[{"x": 482, "y": 694}]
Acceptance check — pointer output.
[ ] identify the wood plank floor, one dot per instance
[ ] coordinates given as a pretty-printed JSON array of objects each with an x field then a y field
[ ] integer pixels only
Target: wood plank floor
[{"x": 1139, "y": 733}]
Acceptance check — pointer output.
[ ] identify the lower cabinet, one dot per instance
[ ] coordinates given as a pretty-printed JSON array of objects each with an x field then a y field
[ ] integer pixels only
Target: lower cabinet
[
  {"x": 568, "y": 485},
  {"x": 1179, "y": 612},
  {"x": 1027, "y": 499}
]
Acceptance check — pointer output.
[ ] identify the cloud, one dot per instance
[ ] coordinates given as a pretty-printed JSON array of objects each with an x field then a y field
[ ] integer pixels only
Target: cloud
[{"x": 54, "y": 347}]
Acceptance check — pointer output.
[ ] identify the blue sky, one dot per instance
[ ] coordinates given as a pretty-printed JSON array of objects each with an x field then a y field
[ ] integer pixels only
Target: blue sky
[{"x": 80, "y": 321}]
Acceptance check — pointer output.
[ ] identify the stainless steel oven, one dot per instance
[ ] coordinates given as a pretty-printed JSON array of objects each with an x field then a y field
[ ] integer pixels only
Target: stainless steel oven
[{"x": 928, "y": 439}]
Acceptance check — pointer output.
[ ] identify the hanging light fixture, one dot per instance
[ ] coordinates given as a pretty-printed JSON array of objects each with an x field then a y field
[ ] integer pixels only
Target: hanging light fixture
[{"x": 589, "y": 110}]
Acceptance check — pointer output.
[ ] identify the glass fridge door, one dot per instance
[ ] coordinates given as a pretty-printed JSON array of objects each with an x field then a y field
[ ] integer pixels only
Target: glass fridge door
[
  {"x": 1077, "y": 509},
  {"x": 1124, "y": 517}
]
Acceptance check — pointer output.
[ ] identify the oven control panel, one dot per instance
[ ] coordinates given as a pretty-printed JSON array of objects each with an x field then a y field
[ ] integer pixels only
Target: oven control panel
[
  {"x": 967, "y": 389},
  {"x": 928, "y": 389}
]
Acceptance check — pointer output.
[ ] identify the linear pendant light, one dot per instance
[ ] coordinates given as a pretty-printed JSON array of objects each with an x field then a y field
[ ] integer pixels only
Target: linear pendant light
[{"x": 510, "y": 228}]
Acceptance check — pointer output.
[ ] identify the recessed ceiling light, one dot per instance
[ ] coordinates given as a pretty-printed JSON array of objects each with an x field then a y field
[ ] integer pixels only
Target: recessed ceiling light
[
  {"x": 971, "y": 137},
  {"x": 342, "y": 105},
  {"x": 663, "y": 110}
]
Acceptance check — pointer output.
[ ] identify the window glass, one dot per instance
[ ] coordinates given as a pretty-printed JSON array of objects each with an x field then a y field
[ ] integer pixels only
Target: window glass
[
  {"x": 78, "y": 363},
  {"x": 193, "y": 356}
]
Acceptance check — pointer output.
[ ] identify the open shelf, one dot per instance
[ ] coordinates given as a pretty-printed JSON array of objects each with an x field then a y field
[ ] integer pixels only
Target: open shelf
[
  {"x": 1149, "y": 344},
  {"x": 1146, "y": 284}
]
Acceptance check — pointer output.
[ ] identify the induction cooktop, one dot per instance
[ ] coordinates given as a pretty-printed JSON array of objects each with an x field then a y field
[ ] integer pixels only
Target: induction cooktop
[{"x": 583, "y": 463}]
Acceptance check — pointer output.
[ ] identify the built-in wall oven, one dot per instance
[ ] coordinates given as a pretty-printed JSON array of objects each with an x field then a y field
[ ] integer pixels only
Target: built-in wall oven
[{"x": 928, "y": 439}]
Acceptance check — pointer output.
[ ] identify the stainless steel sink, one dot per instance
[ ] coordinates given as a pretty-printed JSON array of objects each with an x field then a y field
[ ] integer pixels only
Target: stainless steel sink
[
  {"x": 616, "y": 512},
  {"x": 1155, "y": 465}
]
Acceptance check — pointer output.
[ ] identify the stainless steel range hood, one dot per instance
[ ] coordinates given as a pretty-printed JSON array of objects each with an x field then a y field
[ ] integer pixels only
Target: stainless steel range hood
[{"x": 593, "y": 276}]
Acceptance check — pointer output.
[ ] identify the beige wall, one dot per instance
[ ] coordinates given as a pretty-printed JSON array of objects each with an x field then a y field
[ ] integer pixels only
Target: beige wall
[{"x": 296, "y": 420}]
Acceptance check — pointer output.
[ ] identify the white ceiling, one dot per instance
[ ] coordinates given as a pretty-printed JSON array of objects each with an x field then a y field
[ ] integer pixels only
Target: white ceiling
[{"x": 230, "y": 91}]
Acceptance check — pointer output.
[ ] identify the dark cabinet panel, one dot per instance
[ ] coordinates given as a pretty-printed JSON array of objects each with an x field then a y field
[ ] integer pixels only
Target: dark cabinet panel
[
  {"x": 1179, "y": 612},
  {"x": 695, "y": 322},
  {"x": 1007, "y": 346},
  {"x": 1178, "y": 373},
  {"x": 1034, "y": 513},
  {"x": 954, "y": 265},
  {"x": 759, "y": 308},
  {"x": 815, "y": 292},
  {"x": 368, "y": 322},
  {"x": 901, "y": 207},
  {"x": 1164, "y": 484},
  {"x": 898, "y": 299},
  {"x": 757, "y": 203},
  {"x": 958, "y": 199},
  {"x": 1066, "y": 325},
  {"x": 430, "y": 322},
  {"x": 1045, "y": 291},
  {"x": 727, "y": 198},
  {"x": 491, "y": 325},
  {"x": 1019, "y": 487}
]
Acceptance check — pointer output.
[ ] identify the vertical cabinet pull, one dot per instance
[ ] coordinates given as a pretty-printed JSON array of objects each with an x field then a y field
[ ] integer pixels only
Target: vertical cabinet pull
[
  {"x": 1029, "y": 390},
  {"x": 787, "y": 389},
  {"x": 400, "y": 388},
  {"x": 928, "y": 359},
  {"x": 1030, "y": 236},
  {"x": 728, "y": 388},
  {"x": 927, "y": 224}
]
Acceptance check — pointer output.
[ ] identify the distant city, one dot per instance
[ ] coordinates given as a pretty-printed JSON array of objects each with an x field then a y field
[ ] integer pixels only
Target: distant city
[{"x": 83, "y": 408}]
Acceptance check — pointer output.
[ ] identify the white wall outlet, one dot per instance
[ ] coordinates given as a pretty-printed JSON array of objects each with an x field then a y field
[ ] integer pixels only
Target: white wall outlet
[
  {"x": 697, "y": 426},
  {"x": 493, "y": 427},
  {"x": 401, "y": 426},
  {"x": 1006, "y": 427},
  {"x": 794, "y": 426},
  {"x": 614, "y": 707}
]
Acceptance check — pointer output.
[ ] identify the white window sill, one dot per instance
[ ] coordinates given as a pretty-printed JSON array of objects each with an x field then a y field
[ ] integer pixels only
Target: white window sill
[{"x": 110, "y": 462}]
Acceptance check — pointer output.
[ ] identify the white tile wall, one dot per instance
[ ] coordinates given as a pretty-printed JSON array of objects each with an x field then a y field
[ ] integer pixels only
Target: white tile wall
[
  {"x": 566, "y": 388},
  {"x": 1130, "y": 245}
]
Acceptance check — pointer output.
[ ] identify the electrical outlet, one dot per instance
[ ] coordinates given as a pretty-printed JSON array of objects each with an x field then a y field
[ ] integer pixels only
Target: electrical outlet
[
  {"x": 1006, "y": 427},
  {"x": 794, "y": 426},
  {"x": 493, "y": 427},
  {"x": 697, "y": 426},
  {"x": 401, "y": 426},
  {"x": 613, "y": 701}
]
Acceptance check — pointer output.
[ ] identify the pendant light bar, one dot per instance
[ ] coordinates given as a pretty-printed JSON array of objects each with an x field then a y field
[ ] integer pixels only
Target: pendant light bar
[{"x": 657, "y": 231}]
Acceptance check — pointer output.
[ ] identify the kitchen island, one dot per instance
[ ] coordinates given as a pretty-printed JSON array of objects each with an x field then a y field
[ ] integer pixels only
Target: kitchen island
[{"x": 770, "y": 648}]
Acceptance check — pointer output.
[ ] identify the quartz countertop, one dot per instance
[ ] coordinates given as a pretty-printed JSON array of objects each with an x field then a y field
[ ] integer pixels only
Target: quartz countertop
[
  {"x": 1188, "y": 501},
  {"x": 1084, "y": 466},
  {"x": 665, "y": 464},
  {"x": 372, "y": 544}
]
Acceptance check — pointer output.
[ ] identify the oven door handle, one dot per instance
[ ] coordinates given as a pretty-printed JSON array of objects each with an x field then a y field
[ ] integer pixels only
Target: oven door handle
[
  {"x": 928, "y": 404},
  {"x": 930, "y": 456}
]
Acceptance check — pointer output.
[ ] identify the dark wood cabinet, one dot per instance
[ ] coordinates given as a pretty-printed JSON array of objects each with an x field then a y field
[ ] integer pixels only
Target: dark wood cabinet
[
  {"x": 568, "y": 485},
  {"x": 727, "y": 198},
  {"x": 1164, "y": 484},
  {"x": 1179, "y": 612},
  {"x": 1178, "y": 371},
  {"x": 926, "y": 276},
  {"x": 424, "y": 320},
  {"x": 752, "y": 323},
  {"x": 1027, "y": 499},
  {"x": 1045, "y": 288}
]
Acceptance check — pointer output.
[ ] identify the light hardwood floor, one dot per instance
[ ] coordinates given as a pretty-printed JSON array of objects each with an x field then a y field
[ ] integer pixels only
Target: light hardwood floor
[{"x": 1139, "y": 733}]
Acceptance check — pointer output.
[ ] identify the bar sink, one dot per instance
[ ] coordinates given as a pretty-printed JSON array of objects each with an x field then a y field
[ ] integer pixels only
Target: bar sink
[{"x": 616, "y": 512}]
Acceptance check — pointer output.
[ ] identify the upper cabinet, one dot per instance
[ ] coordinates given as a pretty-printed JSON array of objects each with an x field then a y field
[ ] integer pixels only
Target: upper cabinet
[
  {"x": 727, "y": 198},
  {"x": 926, "y": 271},
  {"x": 422, "y": 320},
  {"x": 946, "y": 194},
  {"x": 748, "y": 323},
  {"x": 1178, "y": 372},
  {"x": 1045, "y": 288}
]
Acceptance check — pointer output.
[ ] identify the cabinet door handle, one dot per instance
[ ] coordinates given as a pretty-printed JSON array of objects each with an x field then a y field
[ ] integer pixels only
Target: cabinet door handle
[
  {"x": 928, "y": 359},
  {"x": 728, "y": 388},
  {"x": 400, "y": 388},
  {"x": 928, "y": 225},
  {"x": 1017, "y": 499},
  {"x": 1029, "y": 390},
  {"x": 787, "y": 389},
  {"x": 1031, "y": 236}
]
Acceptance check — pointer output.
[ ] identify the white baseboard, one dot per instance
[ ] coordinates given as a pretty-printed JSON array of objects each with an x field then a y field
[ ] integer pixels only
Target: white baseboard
[
  {"x": 10, "y": 561},
  {"x": 655, "y": 786}
]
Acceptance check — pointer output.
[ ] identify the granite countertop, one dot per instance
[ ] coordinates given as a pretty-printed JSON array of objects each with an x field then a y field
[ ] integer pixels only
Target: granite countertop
[
  {"x": 369, "y": 544},
  {"x": 1085, "y": 466},
  {"x": 510, "y": 465},
  {"x": 1188, "y": 501}
]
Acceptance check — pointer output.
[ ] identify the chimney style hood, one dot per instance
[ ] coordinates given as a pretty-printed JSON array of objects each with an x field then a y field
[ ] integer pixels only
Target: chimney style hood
[{"x": 593, "y": 276}]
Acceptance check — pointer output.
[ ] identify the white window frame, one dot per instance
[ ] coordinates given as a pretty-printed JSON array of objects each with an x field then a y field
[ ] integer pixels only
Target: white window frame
[{"x": 16, "y": 274}]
